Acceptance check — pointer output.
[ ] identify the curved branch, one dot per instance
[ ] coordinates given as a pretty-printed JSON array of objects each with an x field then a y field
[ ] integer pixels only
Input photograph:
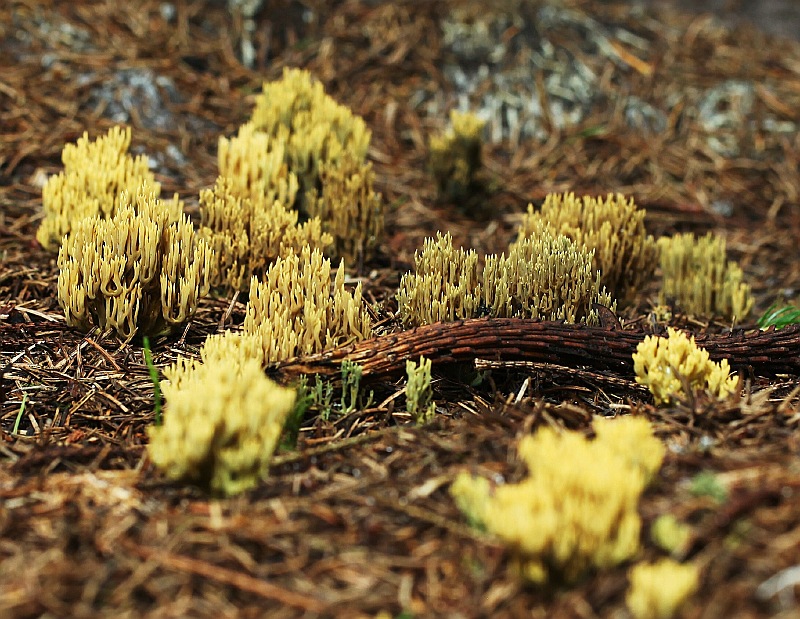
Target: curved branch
[{"x": 515, "y": 339}]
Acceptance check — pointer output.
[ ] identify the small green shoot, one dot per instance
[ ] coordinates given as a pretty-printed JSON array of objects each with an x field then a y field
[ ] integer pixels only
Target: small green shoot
[
  {"x": 419, "y": 394},
  {"x": 351, "y": 382},
  {"x": 322, "y": 395},
  {"x": 148, "y": 359},
  {"x": 15, "y": 429},
  {"x": 319, "y": 397},
  {"x": 779, "y": 317},
  {"x": 305, "y": 400},
  {"x": 705, "y": 483}
]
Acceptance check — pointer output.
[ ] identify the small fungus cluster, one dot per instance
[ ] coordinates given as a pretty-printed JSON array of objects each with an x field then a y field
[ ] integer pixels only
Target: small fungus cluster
[
  {"x": 700, "y": 279},
  {"x": 658, "y": 590},
  {"x": 624, "y": 253},
  {"x": 666, "y": 365},
  {"x": 455, "y": 155},
  {"x": 544, "y": 276},
  {"x": 577, "y": 509},
  {"x": 223, "y": 418}
]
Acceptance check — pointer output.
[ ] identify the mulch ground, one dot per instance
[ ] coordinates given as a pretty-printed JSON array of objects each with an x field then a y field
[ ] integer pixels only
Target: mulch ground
[{"x": 697, "y": 122}]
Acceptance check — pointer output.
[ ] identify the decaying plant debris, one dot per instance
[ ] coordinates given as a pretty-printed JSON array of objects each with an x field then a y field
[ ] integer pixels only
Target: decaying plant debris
[{"x": 697, "y": 122}]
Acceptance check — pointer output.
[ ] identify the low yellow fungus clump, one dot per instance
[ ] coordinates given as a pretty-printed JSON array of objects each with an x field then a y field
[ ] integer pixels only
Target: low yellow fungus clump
[
  {"x": 142, "y": 269},
  {"x": 624, "y": 253},
  {"x": 665, "y": 364},
  {"x": 299, "y": 310},
  {"x": 658, "y": 590},
  {"x": 445, "y": 285},
  {"x": 248, "y": 234},
  {"x": 700, "y": 279},
  {"x": 222, "y": 420},
  {"x": 544, "y": 276},
  {"x": 577, "y": 509},
  {"x": 95, "y": 175},
  {"x": 455, "y": 155}
]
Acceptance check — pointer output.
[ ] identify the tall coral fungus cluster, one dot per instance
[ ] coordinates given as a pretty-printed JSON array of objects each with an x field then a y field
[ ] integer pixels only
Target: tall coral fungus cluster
[
  {"x": 700, "y": 279},
  {"x": 624, "y": 253},
  {"x": 299, "y": 309},
  {"x": 248, "y": 234},
  {"x": 544, "y": 276},
  {"x": 142, "y": 269},
  {"x": 96, "y": 173},
  {"x": 294, "y": 175}
]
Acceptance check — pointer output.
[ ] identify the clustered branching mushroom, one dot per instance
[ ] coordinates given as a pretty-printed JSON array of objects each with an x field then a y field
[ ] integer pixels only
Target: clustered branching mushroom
[
  {"x": 577, "y": 509},
  {"x": 96, "y": 173},
  {"x": 624, "y": 253},
  {"x": 455, "y": 155},
  {"x": 543, "y": 276},
  {"x": 700, "y": 279},
  {"x": 305, "y": 154},
  {"x": 298, "y": 309},
  {"x": 248, "y": 234},
  {"x": 142, "y": 269}
]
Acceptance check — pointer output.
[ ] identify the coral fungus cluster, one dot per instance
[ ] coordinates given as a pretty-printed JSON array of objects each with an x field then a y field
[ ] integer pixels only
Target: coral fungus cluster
[
  {"x": 666, "y": 365},
  {"x": 223, "y": 419},
  {"x": 577, "y": 509},
  {"x": 624, "y": 253},
  {"x": 700, "y": 279},
  {"x": 301, "y": 153},
  {"x": 543, "y": 276},
  {"x": 298, "y": 309},
  {"x": 142, "y": 269},
  {"x": 96, "y": 173}
]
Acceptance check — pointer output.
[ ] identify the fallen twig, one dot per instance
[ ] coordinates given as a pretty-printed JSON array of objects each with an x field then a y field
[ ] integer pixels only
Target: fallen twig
[{"x": 766, "y": 353}]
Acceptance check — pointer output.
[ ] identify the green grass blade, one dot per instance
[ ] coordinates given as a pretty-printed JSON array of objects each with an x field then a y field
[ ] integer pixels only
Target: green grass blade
[
  {"x": 148, "y": 359},
  {"x": 778, "y": 316}
]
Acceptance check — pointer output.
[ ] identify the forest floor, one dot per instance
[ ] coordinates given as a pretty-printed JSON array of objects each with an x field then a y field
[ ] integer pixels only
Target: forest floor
[{"x": 696, "y": 121}]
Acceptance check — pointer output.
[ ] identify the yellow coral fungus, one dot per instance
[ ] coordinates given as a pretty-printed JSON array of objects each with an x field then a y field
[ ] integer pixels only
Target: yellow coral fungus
[
  {"x": 624, "y": 253},
  {"x": 222, "y": 421},
  {"x": 444, "y": 287},
  {"x": 249, "y": 234},
  {"x": 658, "y": 590},
  {"x": 143, "y": 269},
  {"x": 665, "y": 364},
  {"x": 255, "y": 164},
  {"x": 349, "y": 207},
  {"x": 455, "y": 156},
  {"x": 577, "y": 509},
  {"x": 298, "y": 310},
  {"x": 95, "y": 175},
  {"x": 306, "y": 151},
  {"x": 319, "y": 129},
  {"x": 544, "y": 276},
  {"x": 698, "y": 277}
]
